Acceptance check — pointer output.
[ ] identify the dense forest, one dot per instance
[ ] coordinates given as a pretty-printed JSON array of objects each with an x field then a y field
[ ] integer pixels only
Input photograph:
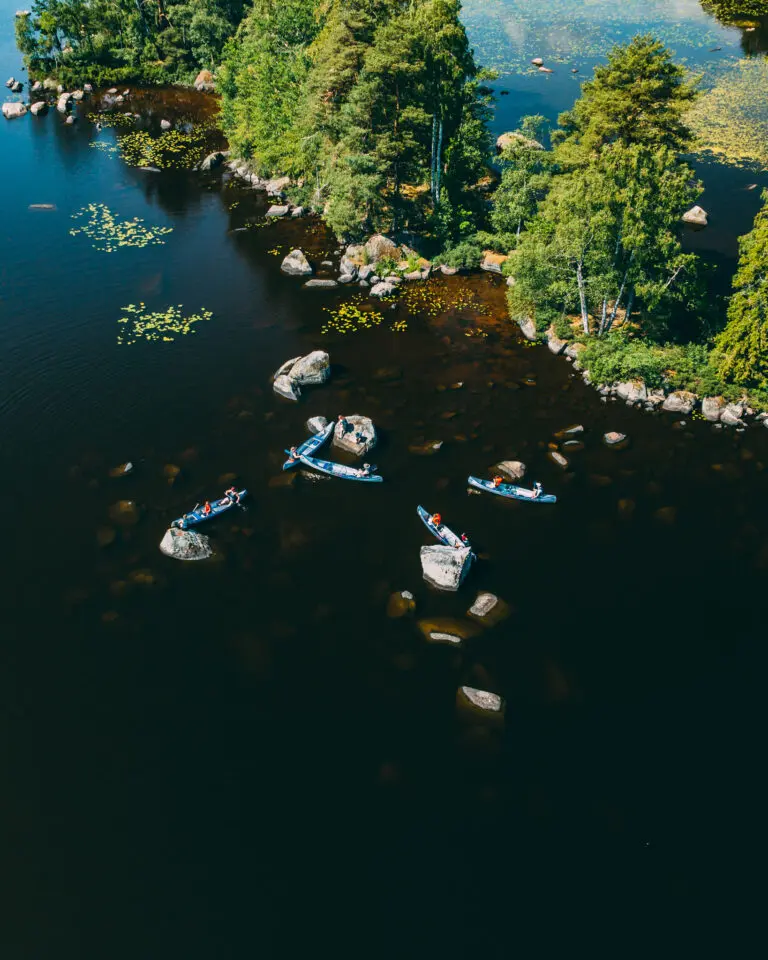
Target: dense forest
[
  {"x": 380, "y": 115},
  {"x": 377, "y": 105}
]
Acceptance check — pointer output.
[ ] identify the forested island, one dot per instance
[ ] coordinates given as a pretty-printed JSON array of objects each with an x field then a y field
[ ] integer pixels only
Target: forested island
[{"x": 379, "y": 114}]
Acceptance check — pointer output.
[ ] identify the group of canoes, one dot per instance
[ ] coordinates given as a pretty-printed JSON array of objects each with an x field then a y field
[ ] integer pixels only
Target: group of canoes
[{"x": 367, "y": 474}]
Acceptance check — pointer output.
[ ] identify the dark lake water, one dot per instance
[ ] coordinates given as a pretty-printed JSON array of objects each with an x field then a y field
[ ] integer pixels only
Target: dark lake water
[{"x": 247, "y": 757}]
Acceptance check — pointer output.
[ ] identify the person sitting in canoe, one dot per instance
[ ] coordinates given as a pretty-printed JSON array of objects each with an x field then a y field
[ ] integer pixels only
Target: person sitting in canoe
[
  {"x": 293, "y": 454},
  {"x": 497, "y": 481},
  {"x": 537, "y": 491},
  {"x": 436, "y": 520},
  {"x": 207, "y": 509},
  {"x": 368, "y": 469},
  {"x": 464, "y": 539},
  {"x": 232, "y": 495}
]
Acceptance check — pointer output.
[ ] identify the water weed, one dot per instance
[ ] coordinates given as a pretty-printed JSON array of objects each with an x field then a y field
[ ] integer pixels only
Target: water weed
[
  {"x": 166, "y": 326},
  {"x": 108, "y": 230}
]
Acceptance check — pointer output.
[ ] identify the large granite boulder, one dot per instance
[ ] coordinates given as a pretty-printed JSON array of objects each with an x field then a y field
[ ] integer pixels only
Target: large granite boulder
[
  {"x": 296, "y": 264},
  {"x": 384, "y": 289},
  {"x": 732, "y": 415},
  {"x": 681, "y": 401},
  {"x": 204, "y": 82},
  {"x": 528, "y": 328},
  {"x": 379, "y": 246},
  {"x": 555, "y": 344},
  {"x": 633, "y": 391},
  {"x": 445, "y": 567},
  {"x": 285, "y": 387},
  {"x": 13, "y": 110},
  {"x": 279, "y": 210},
  {"x": 17, "y": 86},
  {"x": 321, "y": 283},
  {"x": 39, "y": 108},
  {"x": 514, "y": 139},
  {"x": 185, "y": 545},
  {"x": 64, "y": 101},
  {"x": 316, "y": 424},
  {"x": 313, "y": 369},
  {"x": 358, "y": 436},
  {"x": 712, "y": 408}
]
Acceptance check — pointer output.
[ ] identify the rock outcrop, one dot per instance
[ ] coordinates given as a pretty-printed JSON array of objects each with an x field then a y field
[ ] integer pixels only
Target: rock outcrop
[
  {"x": 185, "y": 545},
  {"x": 493, "y": 262},
  {"x": 296, "y": 264},
  {"x": 204, "y": 82},
  {"x": 359, "y": 438},
  {"x": 445, "y": 567}
]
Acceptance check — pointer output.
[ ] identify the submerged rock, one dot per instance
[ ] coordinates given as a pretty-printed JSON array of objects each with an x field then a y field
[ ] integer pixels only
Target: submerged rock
[
  {"x": 445, "y": 567},
  {"x": 125, "y": 512},
  {"x": 447, "y": 630},
  {"x": 122, "y": 470},
  {"x": 480, "y": 701},
  {"x": 320, "y": 284},
  {"x": 296, "y": 264},
  {"x": 488, "y": 609},
  {"x": 559, "y": 459},
  {"x": 614, "y": 439},
  {"x": 165, "y": 124},
  {"x": 400, "y": 604},
  {"x": 358, "y": 440},
  {"x": 384, "y": 289},
  {"x": 425, "y": 449}
]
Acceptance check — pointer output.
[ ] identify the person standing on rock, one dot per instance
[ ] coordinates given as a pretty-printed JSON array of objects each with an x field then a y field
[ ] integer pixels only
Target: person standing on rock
[{"x": 346, "y": 426}]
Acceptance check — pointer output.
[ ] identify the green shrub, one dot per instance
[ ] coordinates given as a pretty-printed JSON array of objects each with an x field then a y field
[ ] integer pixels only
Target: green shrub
[
  {"x": 386, "y": 266},
  {"x": 464, "y": 256}
]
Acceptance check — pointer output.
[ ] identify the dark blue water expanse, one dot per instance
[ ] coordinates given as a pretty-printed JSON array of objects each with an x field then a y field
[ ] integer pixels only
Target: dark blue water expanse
[{"x": 247, "y": 756}]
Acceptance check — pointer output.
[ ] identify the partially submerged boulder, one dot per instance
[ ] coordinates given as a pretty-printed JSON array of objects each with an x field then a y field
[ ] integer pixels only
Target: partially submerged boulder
[
  {"x": 285, "y": 387},
  {"x": 633, "y": 391},
  {"x": 445, "y": 567},
  {"x": 358, "y": 437},
  {"x": 279, "y": 210},
  {"x": 696, "y": 216},
  {"x": 555, "y": 344},
  {"x": 732, "y": 415},
  {"x": 39, "y": 108},
  {"x": 615, "y": 439},
  {"x": 712, "y": 408},
  {"x": 488, "y": 609},
  {"x": 185, "y": 545},
  {"x": 316, "y": 424},
  {"x": 384, "y": 289},
  {"x": 314, "y": 368},
  {"x": 510, "y": 469},
  {"x": 213, "y": 160},
  {"x": 318, "y": 283},
  {"x": 480, "y": 702},
  {"x": 296, "y": 264},
  {"x": 448, "y": 630},
  {"x": 64, "y": 101},
  {"x": 681, "y": 401},
  {"x": 13, "y": 110},
  {"x": 528, "y": 328},
  {"x": 400, "y": 604}
]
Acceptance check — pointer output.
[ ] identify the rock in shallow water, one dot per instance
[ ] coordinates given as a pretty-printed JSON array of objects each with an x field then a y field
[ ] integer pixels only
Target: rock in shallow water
[
  {"x": 510, "y": 469},
  {"x": 185, "y": 545},
  {"x": 712, "y": 408},
  {"x": 400, "y": 604},
  {"x": 482, "y": 701},
  {"x": 447, "y": 630},
  {"x": 285, "y": 387},
  {"x": 13, "y": 110},
  {"x": 316, "y": 424},
  {"x": 296, "y": 264},
  {"x": 359, "y": 438},
  {"x": 313, "y": 369},
  {"x": 681, "y": 401},
  {"x": 488, "y": 609},
  {"x": 445, "y": 567},
  {"x": 614, "y": 438}
]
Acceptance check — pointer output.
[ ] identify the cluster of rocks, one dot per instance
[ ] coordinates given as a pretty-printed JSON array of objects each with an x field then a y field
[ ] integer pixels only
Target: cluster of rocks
[
  {"x": 64, "y": 99},
  {"x": 636, "y": 393},
  {"x": 311, "y": 370}
]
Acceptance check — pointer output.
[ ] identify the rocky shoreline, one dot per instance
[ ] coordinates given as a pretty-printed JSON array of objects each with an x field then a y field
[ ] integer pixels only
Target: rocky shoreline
[{"x": 635, "y": 393}]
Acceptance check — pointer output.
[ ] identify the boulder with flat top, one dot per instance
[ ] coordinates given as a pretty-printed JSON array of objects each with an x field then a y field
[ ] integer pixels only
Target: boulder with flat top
[
  {"x": 13, "y": 110},
  {"x": 445, "y": 567},
  {"x": 296, "y": 264},
  {"x": 357, "y": 435}
]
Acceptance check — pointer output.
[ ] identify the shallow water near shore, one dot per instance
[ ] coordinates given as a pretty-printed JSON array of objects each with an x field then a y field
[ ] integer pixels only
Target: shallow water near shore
[{"x": 246, "y": 754}]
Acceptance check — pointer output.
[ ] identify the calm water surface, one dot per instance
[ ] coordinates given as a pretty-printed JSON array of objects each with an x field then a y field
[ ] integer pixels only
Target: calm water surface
[{"x": 247, "y": 757}]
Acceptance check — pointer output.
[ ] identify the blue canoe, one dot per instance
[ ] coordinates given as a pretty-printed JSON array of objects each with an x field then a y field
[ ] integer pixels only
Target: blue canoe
[
  {"x": 340, "y": 471},
  {"x": 217, "y": 507},
  {"x": 309, "y": 446},
  {"x": 510, "y": 491},
  {"x": 441, "y": 533}
]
